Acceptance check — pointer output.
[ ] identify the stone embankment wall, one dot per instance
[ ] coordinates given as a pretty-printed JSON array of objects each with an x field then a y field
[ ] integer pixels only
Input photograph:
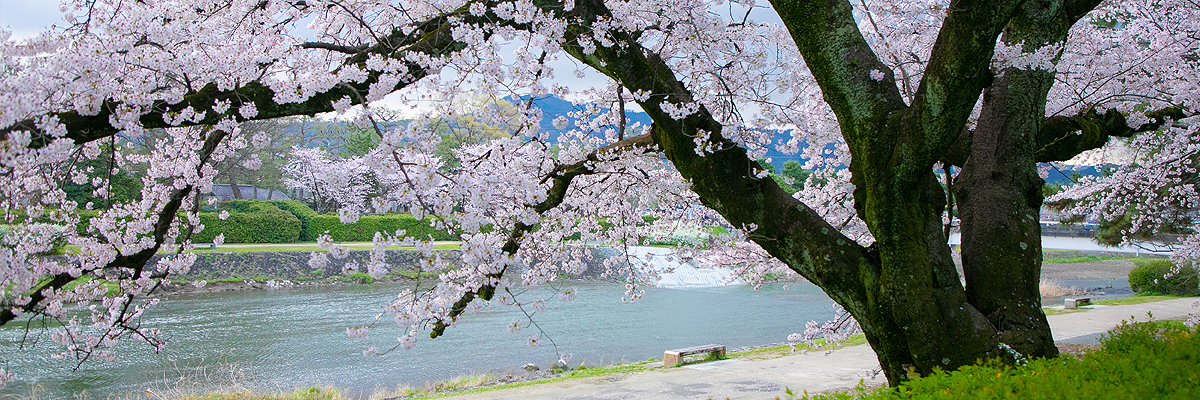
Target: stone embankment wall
[{"x": 293, "y": 265}]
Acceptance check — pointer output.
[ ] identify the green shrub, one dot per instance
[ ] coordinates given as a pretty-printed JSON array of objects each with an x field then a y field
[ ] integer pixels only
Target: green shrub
[
  {"x": 1136, "y": 361},
  {"x": 360, "y": 277},
  {"x": 1151, "y": 277},
  {"x": 364, "y": 230},
  {"x": 250, "y": 222},
  {"x": 302, "y": 213}
]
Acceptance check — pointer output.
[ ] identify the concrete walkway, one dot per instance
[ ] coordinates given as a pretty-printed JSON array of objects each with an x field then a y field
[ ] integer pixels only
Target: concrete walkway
[{"x": 813, "y": 372}]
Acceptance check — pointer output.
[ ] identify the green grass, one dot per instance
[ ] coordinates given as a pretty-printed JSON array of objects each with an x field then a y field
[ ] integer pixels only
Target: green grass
[
  {"x": 573, "y": 375},
  {"x": 311, "y": 393},
  {"x": 1055, "y": 311},
  {"x": 1135, "y": 361},
  {"x": 653, "y": 364},
  {"x": 1137, "y": 299},
  {"x": 434, "y": 388},
  {"x": 785, "y": 350}
]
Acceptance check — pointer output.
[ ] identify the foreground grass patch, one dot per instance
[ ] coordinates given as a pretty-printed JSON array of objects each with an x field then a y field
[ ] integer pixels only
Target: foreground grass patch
[
  {"x": 1055, "y": 311},
  {"x": 432, "y": 388},
  {"x": 1136, "y": 361},
  {"x": 1137, "y": 299},
  {"x": 583, "y": 372},
  {"x": 312, "y": 393},
  {"x": 785, "y": 350}
]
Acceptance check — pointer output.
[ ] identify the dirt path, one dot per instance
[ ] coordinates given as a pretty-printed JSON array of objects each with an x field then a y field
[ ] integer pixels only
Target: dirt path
[{"x": 1109, "y": 269}]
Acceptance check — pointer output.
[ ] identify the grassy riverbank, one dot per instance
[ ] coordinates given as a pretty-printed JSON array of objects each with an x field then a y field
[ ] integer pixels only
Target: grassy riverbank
[
  {"x": 1154, "y": 360},
  {"x": 463, "y": 385},
  {"x": 1139, "y": 298},
  {"x": 583, "y": 372}
]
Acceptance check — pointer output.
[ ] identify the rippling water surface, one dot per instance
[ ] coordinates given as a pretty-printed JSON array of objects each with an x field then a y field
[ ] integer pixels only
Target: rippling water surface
[{"x": 287, "y": 338}]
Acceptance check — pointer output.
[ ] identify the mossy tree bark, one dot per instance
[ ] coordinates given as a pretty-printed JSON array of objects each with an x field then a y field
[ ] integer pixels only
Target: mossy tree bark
[{"x": 904, "y": 289}]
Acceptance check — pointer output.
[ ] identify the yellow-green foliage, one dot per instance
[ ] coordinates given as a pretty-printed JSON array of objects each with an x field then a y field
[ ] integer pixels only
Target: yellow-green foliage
[{"x": 1136, "y": 361}]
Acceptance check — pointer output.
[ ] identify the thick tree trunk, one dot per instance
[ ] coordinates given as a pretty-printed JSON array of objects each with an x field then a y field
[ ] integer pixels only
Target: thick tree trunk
[
  {"x": 1000, "y": 192},
  {"x": 904, "y": 289},
  {"x": 1000, "y": 197}
]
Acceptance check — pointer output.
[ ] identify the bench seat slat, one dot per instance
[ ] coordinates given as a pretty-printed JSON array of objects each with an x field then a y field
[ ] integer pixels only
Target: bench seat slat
[{"x": 673, "y": 357}]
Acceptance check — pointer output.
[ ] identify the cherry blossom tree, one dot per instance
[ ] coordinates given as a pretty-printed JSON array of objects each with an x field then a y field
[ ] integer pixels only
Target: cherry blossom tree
[
  {"x": 882, "y": 92},
  {"x": 331, "y": 184}
]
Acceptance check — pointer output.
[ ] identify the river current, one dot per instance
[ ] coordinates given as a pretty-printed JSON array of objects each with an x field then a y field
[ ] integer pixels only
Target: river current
[{"x": 288, "y": 338}]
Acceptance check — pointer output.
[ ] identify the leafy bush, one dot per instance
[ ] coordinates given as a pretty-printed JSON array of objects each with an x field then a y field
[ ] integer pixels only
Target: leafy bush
[
  {"x": 250, "y": 222},
  {"x": 1136, "y": 361},
  {"x": 364, "y": 230},
  {"x": 302, "y": 212},
  {"x": 360, "y": 277},
  {"x": 1153, "y": 277}
]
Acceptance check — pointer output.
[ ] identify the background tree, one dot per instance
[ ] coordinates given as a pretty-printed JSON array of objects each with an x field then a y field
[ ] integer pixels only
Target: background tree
[
  {"x": 330, "y": 184},
  {"x": 471, "y": 123},
  {"x": 260, "y": 162},
  {"x": 882, "y": 93}
]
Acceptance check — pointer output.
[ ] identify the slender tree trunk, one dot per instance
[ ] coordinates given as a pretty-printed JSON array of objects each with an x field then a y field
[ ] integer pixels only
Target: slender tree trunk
[{"x": 233, "y": 186}]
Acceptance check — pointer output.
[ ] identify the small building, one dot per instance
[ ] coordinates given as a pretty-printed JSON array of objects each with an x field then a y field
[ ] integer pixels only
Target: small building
[{"x": 224, "y": 192}]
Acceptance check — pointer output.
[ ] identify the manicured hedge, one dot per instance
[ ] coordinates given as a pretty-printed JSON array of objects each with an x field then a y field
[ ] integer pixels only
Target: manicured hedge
[
  {"x": 288, "y": 221},
  {"x": 1151, "y": 277},
  {"x": 298, "y": 209},
  {"x": 255, "y": 222},
  {"x": 364, "y": 230}
]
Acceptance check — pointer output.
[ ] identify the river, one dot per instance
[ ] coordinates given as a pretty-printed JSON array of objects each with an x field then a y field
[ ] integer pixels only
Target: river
[{"x": 288, "y": 338}]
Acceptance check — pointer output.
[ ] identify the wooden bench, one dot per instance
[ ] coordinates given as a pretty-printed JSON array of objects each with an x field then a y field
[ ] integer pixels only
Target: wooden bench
[
  {"x": 672, "y": 358},
  {"x": 1071, "y": 304}
]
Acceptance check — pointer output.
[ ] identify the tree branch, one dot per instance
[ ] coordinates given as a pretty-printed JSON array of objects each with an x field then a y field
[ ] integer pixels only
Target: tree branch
[
  {"x": 841, "y": 61},
  {"x": 136, "y": 261},
  {"x": 334, "y": 47},
  {"x": 724, "y": 180},
  {"x": 433, "y": 38},
  {"x": 1064, "y": 137},
  {"x": 958, "y": 70},
  {"x": 561, "y": 178}
]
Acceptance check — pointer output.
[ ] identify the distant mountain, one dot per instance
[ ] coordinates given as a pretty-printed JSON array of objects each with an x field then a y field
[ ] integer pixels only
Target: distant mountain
[
  {"x": 1063, "y": 176},
  {"x": 553, "y": 106}
]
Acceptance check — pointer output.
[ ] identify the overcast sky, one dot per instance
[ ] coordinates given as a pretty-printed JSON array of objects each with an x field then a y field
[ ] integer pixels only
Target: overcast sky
[{"x": 27, "y": 17}]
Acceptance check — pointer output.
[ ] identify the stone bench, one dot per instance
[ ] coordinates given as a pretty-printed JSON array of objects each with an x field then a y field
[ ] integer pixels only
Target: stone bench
[
  {"x": 1071, "y": 304},
  {"x": 672, "y": 358}
]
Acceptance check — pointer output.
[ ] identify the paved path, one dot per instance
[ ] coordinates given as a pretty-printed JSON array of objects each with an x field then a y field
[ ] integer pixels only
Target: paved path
[
  {"x": 1086, "y": 327},
  {"x": 813, "y": 372}
]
